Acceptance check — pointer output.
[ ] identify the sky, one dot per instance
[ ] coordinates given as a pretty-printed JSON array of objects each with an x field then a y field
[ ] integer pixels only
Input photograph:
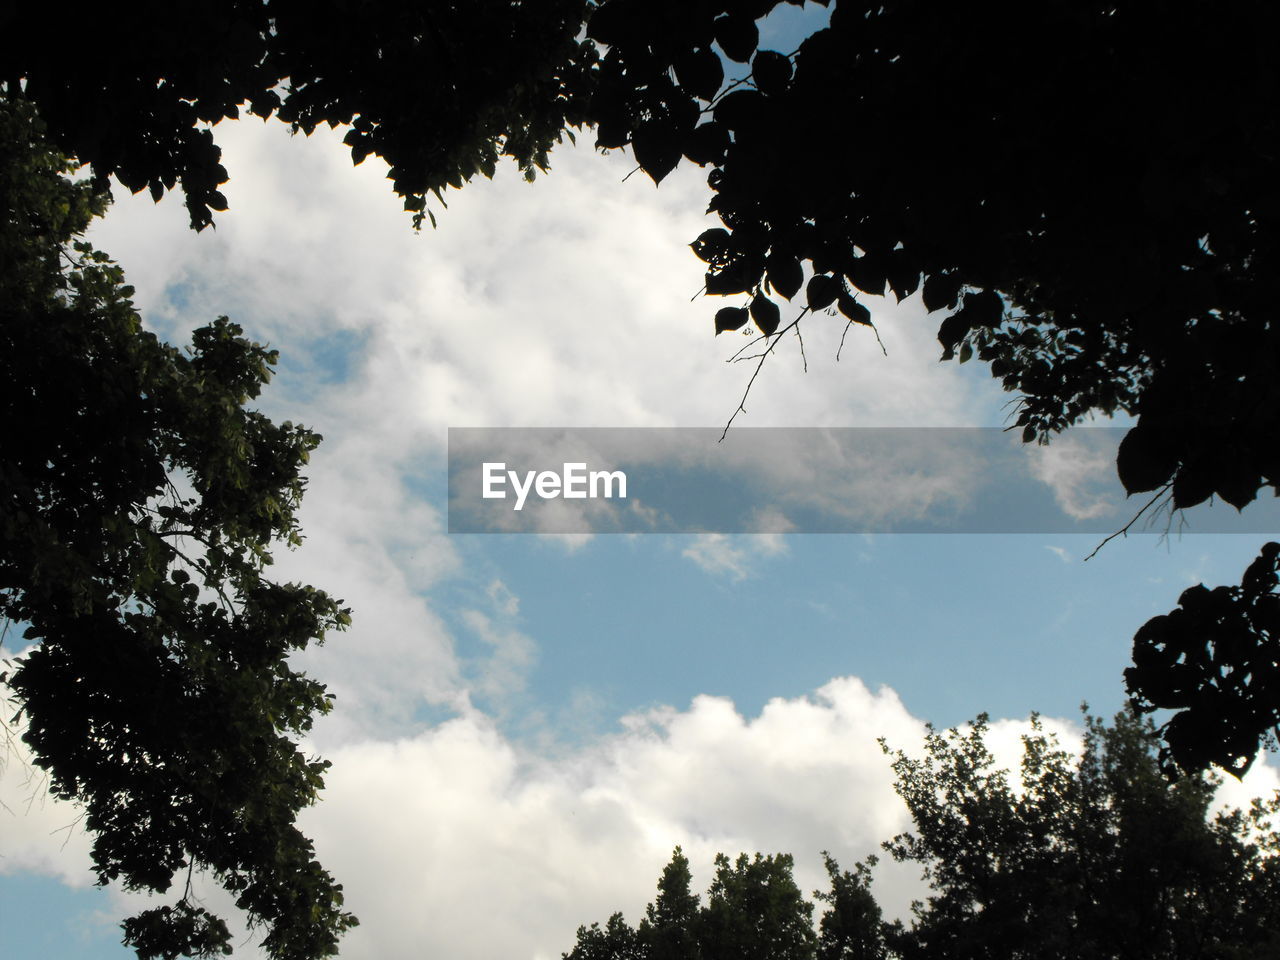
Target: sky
[{"x": 526, "y": 725}]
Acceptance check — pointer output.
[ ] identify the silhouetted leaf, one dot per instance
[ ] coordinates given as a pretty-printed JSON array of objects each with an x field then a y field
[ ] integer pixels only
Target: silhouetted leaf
[
  {"x": 657, "y": 148},
  {"x": 785, "y": 274},
  {"x": 737, "y": 36},
  {"x": 730, "y": 318},
  {"x": 612, "y": 134},
  {"x": 821, "y": 291},
  {"x": 1146, "y": 460},
  {"x": 771, "y": 72},
  {"x": 852, "y": 309},
  {"x": 1192, "y": 484},
  {"x": 711, "y": 244},
  {"x": 766, "y": 314},
  {"x": 953, "y": 329},
  {"x": 700, "y": 72},
  {"x": 1236, "y": 481},
  {"x": 707, "y": 143},
  {"x": 867, "y": 274},
  {"x": 984, "y": 308},
  {"x": 940, "y": 291},
  {"x": 903, "y": 275},
  {"x": 732, "y": 279}
]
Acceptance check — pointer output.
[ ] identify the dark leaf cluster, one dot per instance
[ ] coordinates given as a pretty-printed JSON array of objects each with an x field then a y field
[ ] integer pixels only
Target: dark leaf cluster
[
  {"x": 438, "y": 90},
  {"x": 1215, "y": 660}
]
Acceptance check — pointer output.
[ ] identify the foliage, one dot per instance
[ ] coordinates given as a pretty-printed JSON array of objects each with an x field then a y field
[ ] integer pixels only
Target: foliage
[
  {"x": 1216, "y": 660},
  {"x": 1094, "y": 856},
  {"x": 140, "y": 501},
  {"x": 438, "y": 90},
  {"x": 754, "y": 911},
  {"x": 1097, "y": 856},
  {"x": 1096, "y": 220}
]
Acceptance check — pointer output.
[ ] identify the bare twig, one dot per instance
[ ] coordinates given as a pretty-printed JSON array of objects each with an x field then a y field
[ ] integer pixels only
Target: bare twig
[
  {"x": 747, "y": 346},
  {"x": 1124, "y": 531},
  {"x": 878, "y": 340},
  {"x": 773, "y": 341},
  {"x": 844, "y": 334}
]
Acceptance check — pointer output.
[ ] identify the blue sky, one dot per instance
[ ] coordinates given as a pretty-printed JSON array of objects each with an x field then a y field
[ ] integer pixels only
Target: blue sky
[{"x": 526, "y": 725}]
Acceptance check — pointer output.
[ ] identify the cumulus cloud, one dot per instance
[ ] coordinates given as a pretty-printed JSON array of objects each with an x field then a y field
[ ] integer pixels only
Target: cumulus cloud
[
  {"x": 41, "y": 834},
  {"x": 438, "y": 834}
]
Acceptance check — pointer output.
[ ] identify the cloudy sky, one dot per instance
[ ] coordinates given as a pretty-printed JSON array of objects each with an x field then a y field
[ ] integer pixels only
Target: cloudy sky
[{"x": 527, "y": 725}]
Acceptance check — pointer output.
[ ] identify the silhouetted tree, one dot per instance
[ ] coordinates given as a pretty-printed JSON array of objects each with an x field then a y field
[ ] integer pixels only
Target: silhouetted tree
[
  {"x": 1095, "y": 856},
  {"x": 1099, "y": 856},
  {"x": 139, "y": 500}
]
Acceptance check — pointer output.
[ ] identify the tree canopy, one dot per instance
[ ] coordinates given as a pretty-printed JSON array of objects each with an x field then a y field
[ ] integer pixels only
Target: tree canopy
[
  {"x": 141, "y": 498},
  {"x": 1097, "y": 855},
  {"x": 1085, "y": 191},
  {"x": 438, "y": 90}
]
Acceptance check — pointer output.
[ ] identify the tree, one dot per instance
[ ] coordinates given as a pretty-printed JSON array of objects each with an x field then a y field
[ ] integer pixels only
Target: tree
[
  {"x": 1097, "y": 856},
  {"x": 754, "y": 911},
  {"x": 1107, "y": 244},
  {"x": 1092, "y": 856},
  {"x": 141, "y": 497}
]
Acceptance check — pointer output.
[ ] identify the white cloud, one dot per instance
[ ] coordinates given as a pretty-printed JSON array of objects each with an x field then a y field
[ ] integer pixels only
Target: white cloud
[
  {"x": 40, "y": 833},
  {"x": 437, "y": 834},
  {"x": 733, "y": 556},
  {"x": 565, "y": 302},
  {"x": 1079, "y": 467}
]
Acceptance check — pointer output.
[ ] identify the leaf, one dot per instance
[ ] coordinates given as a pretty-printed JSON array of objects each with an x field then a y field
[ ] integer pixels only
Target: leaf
[
  {"x": 903, "y": 275},
  {"x": 730, "y": 318},
  {"x": 771, "y": 72},
  {"x": 852, "y": 309},
  {"x": 1145, "y": 460},
  {"x": 612, "y": 133},
  {"x": 821, "y": 291},
  {"x": 707, "y": 143},
  {"x": 1236, "y": 483},
  {"x": 699, "y": 72},
  {"x": 952, "y": 330},
  {"x": 711, "y": 245},
  {"x": 766, "y": 314},
  {"x": 966, "y": 352},
  {"x": 737, "y": 36},
  {"x": 1193, "y": 484},
  {"x": 867, "y": 274},
  {"x": 940, "y": 291},
  {"x": 732, "y": 279},
  {"x": 785, "y": 274},
  {"x": 657, "y": 148},
  {"x": 984, "y": 308}
]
